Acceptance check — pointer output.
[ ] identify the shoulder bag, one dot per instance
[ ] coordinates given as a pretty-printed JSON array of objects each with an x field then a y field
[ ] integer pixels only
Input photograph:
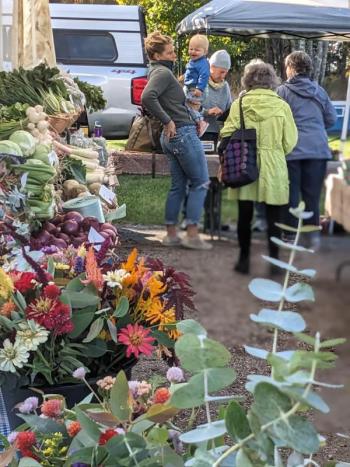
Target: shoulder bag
[
  {"x": 238, "y": 159},
  {"x": 145, "y": 134}
]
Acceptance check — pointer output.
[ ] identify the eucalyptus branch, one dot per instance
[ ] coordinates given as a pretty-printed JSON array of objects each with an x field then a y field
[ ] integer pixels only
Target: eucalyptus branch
[
  {"x": 282, "y": 417},
  {"x": 132, "y": 455},
  {"x": 285, "y": 285}
]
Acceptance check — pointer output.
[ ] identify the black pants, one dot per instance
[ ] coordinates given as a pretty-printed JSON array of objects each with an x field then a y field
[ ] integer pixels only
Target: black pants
[
  {"x": 244, "y": 227},
  {"x": 306, "y": 181}
]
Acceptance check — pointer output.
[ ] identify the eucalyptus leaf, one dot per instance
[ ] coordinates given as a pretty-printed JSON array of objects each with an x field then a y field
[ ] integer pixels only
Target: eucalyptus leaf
[
  {"x": 295, "y": 459},
  {"x": 289, "y": 267},
  {"x": 204, "y": 432},
  {"x": 299, "y": 292},
  {"x": 198, "y": 354},
  {"x": 262, "y": 353},
  {"x": 290, "y": 246},
  {"x": 190, "y": 326},
  {"x": 119, "y": 397},
  {"x": 298, "y": 433},
  {"x": 242, "y": 460},
  {"x": 45, "y": 425},
  {"x": 310, "y": 398},
  {"x": 28, "y": 462},
  {"x": 269, "y": 402},
  {"x": 81, "y": 319},
  {"x": 95, "y": 329},
  {"x": 332, "y": 342},
  {"x": 288, "y": 321},
  {"x": 76, "y": 285},
  {"x": 95, "y": 349},
  {"x": 89, "y": 426},
  {"x": 266, "y": 289},
  {"x": 112, "y": 330},
  {"x": 236, "y": 422},
  {"x": 122, "y": 307},
  {"x": 81, "y": 299},
  {"x": 51, "y": 266}
]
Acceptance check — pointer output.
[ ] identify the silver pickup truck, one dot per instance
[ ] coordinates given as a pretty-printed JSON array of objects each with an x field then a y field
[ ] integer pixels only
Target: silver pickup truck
[
  {"x": 100, "y": 44},
  {"x": 103, "y": 45}
]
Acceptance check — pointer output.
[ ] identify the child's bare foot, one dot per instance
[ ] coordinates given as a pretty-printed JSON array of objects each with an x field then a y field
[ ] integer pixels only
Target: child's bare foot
[{"x": 202, "y": 126}]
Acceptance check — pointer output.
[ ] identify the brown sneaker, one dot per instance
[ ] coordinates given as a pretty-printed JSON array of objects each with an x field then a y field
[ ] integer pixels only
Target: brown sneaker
[{"x": 195, "y": 243}]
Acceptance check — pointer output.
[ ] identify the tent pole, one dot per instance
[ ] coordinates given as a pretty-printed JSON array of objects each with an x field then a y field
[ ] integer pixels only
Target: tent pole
[{"x": 345, "y": 121}]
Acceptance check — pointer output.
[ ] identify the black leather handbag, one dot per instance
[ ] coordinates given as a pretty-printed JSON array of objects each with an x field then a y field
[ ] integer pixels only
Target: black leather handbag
[{"x": 238, "y": 156}]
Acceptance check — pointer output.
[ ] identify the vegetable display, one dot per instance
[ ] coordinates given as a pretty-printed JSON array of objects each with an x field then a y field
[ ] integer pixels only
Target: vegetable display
[
  {"x": 71, "y": 229},
  {"x": 93, "y": 94},
  {"x": 39, "y": 187}
]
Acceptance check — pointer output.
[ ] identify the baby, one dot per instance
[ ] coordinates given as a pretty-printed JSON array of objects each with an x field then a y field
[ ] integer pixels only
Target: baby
[{"x": 196, "y": 78}]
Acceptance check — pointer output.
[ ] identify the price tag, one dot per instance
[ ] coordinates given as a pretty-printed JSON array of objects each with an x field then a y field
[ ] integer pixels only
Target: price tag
[
  {"x": 107, "y": 194},
  {"x": 95, "y": 237},
  {"x": 53, "y": 159},
  {"x": 24, "y": 179}
]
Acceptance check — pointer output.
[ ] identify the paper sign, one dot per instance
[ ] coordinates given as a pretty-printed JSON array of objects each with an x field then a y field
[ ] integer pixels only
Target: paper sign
[
  {"x": 107, "y": 194},
  {"x": 53, "y": 159},
  {"x": 95, "y": 237},
  {"x": 24, "y": 179}
]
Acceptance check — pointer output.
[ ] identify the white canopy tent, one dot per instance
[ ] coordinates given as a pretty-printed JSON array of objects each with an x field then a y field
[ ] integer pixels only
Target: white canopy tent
[
  {"x": 290, "y": 19},
  {"x": 26, "y": 34}
]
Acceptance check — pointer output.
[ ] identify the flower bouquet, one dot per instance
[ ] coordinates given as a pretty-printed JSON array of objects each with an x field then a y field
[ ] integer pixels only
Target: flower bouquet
[
  {"x": 127, "y": 419},
  {"x": 104, "y": 318}
]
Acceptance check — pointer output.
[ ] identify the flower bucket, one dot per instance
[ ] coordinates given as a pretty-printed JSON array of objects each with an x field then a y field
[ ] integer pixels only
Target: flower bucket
[{"x": 73, "y": 394}]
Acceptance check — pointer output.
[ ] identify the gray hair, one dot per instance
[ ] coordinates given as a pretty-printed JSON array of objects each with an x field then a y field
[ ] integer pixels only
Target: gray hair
[{"x": 258, "y": 74}]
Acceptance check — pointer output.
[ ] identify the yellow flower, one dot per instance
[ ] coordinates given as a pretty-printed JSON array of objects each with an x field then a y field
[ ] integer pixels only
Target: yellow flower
[
  {"x": 63, "y": 450},
  {"x": 82, "y": 251},
  {"x": 155, "y": 286},
  {"x": 168, "y": 317},
  {"x": 62, "y": 266},
  {"x": 48, "y": 452},
  {"x": 6, "y": 285}
]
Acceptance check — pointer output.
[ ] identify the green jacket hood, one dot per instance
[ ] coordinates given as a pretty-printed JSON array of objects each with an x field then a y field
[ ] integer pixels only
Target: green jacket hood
[{"x": 262, "y": 104}]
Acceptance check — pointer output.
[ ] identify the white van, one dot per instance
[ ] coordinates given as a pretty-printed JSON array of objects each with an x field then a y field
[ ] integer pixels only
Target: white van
[{"x": 103, "y": 45}]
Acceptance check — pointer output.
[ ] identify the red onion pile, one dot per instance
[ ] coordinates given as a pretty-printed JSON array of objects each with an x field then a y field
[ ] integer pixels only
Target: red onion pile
[{"x": 71, "y": 229}]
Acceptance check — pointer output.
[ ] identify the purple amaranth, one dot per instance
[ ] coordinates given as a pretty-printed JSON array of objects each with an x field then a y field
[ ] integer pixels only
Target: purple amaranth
[{"x": 79, "y": 264}]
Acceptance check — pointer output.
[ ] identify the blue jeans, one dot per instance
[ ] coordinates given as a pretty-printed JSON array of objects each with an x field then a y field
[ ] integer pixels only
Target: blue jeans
[{"x": 188, "y": 167}]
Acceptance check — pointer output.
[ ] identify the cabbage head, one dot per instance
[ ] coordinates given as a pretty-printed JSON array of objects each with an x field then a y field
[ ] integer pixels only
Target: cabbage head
[
  {"x": 9, "y": 147},
  {"x": 25, "y": 141}
]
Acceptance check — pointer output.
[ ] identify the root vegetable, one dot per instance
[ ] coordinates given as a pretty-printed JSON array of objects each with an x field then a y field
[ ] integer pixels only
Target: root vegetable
[
  {"x": 70, "y": 227},
  {"x": 75, "y": 216}
]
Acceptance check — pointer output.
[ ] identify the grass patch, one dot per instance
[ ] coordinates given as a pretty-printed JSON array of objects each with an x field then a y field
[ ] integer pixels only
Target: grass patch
[{"x": 145, "y": 197}]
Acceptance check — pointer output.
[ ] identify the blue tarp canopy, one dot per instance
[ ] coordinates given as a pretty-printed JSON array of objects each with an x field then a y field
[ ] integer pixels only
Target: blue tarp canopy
[{"x": 311, "y": 19}]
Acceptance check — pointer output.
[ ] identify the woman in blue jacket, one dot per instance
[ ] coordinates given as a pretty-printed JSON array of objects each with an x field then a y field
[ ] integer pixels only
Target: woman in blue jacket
[{"x": 313, "y": 112}]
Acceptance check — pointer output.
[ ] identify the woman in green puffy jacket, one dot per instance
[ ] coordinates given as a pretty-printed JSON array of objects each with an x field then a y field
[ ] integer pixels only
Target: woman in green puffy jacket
[{"x": 277, "y": 135}]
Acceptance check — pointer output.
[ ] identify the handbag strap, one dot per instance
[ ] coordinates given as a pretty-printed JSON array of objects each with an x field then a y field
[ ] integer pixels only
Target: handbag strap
[{"x": 241, "y": 115}]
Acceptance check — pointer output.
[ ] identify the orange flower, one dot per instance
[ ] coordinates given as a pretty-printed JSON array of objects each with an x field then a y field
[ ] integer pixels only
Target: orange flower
[
  {"x": 93, "y": 272},
  {"x": 7, "y": 308},
  {"x": 73, "y": 428},
  {"x": 161, "y": 395},
  {"x": 130, "y": 263}
]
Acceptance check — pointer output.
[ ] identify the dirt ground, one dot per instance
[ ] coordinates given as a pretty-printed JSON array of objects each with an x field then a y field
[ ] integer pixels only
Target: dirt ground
[{"x": 224, "y": 304}]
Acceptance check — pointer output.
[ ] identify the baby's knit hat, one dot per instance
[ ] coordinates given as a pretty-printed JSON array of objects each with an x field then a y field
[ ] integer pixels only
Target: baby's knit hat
[{"x": 221, "y": 59}]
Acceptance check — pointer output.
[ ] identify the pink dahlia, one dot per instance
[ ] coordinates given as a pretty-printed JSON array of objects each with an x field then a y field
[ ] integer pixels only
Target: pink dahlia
[{"x": 137, "y": 340}]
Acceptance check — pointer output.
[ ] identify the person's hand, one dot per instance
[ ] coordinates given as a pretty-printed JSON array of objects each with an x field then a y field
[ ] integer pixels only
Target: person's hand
[
  {"x": 197, "y": 92},
  {"x": 170, "y": 130},
  {"x": 215, "y": 111}
]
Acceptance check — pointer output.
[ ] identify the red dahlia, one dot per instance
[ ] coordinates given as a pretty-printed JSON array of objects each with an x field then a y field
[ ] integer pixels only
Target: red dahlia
[
  {"x": 24, "y": 281},
  {"x": 106, "y": 436},
  {"x": 52, "y": 291},
  {"x": 50, "y": 313},
  {"x": 25, "y": 441}
]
